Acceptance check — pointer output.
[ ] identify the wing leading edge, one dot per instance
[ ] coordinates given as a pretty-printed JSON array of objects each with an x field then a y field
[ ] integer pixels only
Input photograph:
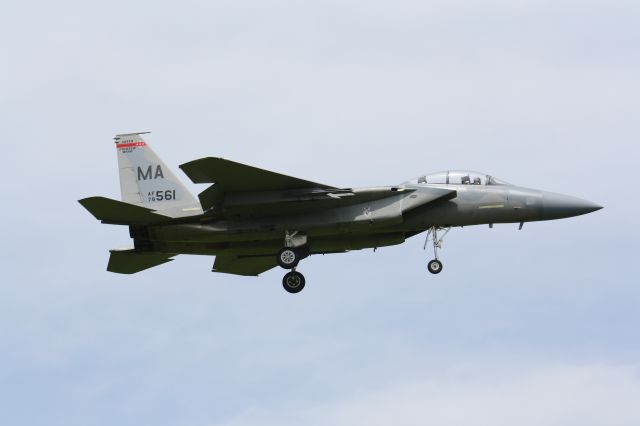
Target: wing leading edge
[{"x": 237, "y": 177}]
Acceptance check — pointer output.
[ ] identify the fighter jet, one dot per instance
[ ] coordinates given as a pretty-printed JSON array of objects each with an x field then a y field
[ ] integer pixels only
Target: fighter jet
[{"x": 253, "y": 220}]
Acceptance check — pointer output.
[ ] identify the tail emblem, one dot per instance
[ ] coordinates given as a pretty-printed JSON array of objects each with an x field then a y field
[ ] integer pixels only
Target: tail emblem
[{"x": 147, "y": 174}]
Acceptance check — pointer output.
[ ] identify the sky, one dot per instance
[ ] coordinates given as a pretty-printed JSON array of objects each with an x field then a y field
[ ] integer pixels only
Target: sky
[{"x": 530, "y": 327}]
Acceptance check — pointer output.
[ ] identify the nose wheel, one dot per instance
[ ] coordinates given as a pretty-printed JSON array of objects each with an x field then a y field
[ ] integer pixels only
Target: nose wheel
[{"x": 435, "y": 266}]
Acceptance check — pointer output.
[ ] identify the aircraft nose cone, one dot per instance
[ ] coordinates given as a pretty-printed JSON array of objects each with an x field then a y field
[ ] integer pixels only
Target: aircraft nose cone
[{"x": 558, "y": 206}]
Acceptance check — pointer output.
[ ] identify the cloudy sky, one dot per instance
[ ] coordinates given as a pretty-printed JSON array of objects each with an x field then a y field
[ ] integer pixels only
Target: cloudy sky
[{"x": 530, "y": 327}]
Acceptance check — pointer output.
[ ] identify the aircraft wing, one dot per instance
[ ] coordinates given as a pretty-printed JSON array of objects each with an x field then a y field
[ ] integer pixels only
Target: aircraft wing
[
  {"x": 244, "y": 265},
  {"x": 240, "y": 190},
  {"x": 237, "y": 177},
  {"x": 231, "y": 177}
]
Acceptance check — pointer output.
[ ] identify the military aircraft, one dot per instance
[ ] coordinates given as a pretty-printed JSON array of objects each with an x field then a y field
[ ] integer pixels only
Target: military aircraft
[{"x": 253, "y": 220}]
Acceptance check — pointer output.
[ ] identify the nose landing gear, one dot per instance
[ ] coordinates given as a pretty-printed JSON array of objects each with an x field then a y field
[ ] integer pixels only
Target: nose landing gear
[{"x": 435, "y": 266}]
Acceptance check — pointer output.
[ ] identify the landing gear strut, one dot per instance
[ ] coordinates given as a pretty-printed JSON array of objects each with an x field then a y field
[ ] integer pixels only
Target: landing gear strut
[{"x": 435, "y": 266}]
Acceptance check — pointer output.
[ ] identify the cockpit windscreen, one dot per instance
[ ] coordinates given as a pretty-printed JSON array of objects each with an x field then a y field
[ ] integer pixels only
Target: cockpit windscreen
[{"x": 458, "y": 177}]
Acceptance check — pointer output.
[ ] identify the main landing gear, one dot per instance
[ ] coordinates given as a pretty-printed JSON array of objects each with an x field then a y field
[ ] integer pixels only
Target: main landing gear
[
  {"x": 293, "y": 282},
  {"x": 435, "y": 266},
  {"x": 288, "y": 258}
]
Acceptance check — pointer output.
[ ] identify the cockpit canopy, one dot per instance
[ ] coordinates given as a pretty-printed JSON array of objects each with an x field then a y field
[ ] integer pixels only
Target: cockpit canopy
[{"x": 457, "y": 177}]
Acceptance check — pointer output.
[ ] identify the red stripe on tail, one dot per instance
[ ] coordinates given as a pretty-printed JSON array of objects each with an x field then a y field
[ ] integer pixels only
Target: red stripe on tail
[{"x": 129, "y": 145}]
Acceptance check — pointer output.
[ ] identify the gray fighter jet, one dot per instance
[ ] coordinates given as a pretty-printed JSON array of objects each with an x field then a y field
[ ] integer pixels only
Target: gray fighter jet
[{"x": 253, "y": 220}]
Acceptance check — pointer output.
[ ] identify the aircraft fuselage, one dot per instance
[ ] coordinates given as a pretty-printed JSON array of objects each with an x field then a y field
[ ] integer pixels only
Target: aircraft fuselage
[{"x": 370, "y": 224}]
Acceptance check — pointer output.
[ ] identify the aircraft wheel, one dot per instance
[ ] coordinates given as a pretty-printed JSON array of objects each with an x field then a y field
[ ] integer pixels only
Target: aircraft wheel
[
  {"x": 293, "y": 282},
  {"x": 434, "y": 266},
  {"x": 288, "y": 258}
]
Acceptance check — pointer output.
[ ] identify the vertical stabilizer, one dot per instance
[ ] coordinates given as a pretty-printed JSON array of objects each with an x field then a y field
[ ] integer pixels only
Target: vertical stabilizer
[{"x": 146, "y": 181}]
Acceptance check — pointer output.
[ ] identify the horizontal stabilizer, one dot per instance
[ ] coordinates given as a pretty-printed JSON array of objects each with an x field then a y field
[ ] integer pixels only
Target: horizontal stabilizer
[
  {"x": 237, "y": 177},
  {"x": 248, "y": 266},
  {"x": 119, "y": 212},
  {"x": 132, "y": 261}
]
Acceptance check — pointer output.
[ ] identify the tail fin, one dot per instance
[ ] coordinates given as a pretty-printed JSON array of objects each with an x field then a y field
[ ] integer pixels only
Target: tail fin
[{"x": 146, "y": 181}]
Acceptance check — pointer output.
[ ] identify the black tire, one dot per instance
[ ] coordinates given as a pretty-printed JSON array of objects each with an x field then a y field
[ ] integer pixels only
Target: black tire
[
  {"x": 434, "y": 266},
  {"x": 288, "y": 258},
  {"x": 293, "y": 282}
]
